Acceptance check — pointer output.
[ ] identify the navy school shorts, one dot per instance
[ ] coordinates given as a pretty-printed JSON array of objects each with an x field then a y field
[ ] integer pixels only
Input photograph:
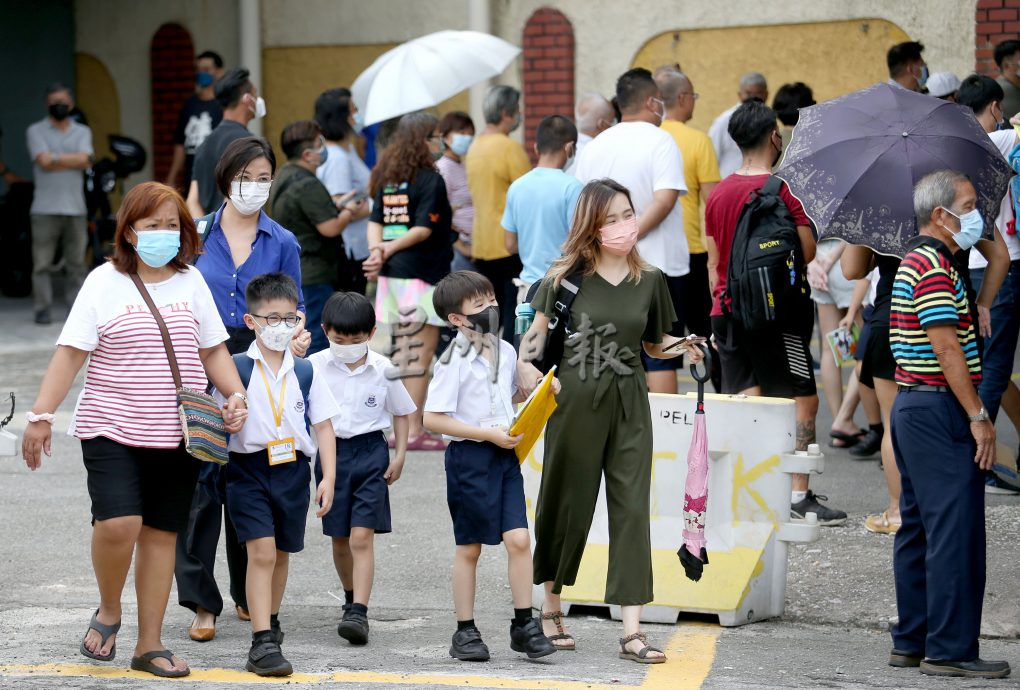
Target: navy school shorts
[
  {"x": 485, "y": 492},
  {"x": 266, "y": 501},
  {"x": 361, "y": 497}
]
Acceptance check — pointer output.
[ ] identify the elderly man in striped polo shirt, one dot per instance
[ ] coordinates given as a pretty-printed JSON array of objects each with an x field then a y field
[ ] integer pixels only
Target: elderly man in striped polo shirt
[{"x": 942, "y": 438}]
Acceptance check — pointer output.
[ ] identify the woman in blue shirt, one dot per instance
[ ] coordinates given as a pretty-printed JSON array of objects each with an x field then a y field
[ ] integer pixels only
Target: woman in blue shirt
[{"x": 240, "y": 243}]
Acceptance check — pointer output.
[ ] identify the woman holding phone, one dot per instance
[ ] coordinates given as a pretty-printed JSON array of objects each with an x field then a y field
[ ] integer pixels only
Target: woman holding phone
[{"x": 602, "y": 425}]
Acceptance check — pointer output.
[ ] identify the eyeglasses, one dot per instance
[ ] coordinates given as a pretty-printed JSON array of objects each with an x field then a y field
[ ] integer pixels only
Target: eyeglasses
[
  {"x": 276, "y": 319},
  {"x": 692, "y": 94}
]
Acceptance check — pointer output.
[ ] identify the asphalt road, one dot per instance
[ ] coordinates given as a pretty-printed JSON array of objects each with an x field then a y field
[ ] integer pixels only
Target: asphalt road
[{"x": 833, "y": 635}]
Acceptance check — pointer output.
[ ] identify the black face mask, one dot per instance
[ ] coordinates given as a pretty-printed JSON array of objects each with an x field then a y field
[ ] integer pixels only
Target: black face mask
[
  {"x": 485, "y": 321},
  {"x": 779, "y": 152},
  {"x": 59, "y": 111}
]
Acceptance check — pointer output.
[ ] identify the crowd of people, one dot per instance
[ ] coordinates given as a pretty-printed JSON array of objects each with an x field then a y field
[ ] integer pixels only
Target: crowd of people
[{"x": 438, "y": 231}]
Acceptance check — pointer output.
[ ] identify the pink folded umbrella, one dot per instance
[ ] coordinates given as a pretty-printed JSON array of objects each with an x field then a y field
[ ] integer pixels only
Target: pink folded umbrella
[{"x": 692, "y": 553}]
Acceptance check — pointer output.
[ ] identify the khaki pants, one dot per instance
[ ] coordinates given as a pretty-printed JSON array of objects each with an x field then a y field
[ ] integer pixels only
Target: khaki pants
[{"x": 48, "y": 233}]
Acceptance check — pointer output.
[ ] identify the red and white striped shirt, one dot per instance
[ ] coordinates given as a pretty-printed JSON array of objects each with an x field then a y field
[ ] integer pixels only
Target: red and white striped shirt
[{"x": 129, "y": 394}]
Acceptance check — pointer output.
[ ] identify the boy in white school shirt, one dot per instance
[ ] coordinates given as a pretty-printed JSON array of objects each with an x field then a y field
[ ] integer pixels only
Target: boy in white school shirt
[
  {"x": 269, "y": 468},
  {"x": 470, "y": 401},
  {"x": 370, "y": 401}
]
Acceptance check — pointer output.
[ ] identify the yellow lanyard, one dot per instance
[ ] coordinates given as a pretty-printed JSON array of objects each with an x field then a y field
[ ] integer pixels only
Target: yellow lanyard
[{"x": 277, "y": 409}]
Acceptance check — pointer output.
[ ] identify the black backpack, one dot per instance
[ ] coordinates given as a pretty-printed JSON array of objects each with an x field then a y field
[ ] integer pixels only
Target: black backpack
[
  {"x": 765, "y": 282},
  {"x": 559, "y": 320}
]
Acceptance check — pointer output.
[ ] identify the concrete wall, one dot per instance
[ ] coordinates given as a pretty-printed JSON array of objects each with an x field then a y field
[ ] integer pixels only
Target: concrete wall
[{"x": 118, "y": 32}]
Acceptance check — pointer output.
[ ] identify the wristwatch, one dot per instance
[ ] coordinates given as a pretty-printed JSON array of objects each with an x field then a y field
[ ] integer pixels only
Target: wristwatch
[
  {"x": 244, "y": 398},
  {"x": 981, "y": 416}
]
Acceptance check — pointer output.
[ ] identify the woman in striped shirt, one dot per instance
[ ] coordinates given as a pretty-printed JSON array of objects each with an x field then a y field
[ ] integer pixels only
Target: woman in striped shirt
[{"x": 140, "y": 478}]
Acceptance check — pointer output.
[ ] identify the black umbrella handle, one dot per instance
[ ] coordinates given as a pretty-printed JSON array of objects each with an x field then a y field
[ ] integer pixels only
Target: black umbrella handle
[{"x": 704, "y": 377}]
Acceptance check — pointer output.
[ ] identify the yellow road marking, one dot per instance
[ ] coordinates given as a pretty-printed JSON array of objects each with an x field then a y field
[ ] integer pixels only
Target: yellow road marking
[
  {"x": 691, "y": 650},
  {"x": 691, "y": 653}
]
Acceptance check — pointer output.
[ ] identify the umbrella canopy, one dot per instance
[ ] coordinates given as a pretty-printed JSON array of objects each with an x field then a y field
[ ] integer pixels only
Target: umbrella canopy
[
  {"x": 426, "y": 71},
  {"x": 854, "y": 160},
  {"x": 693, "y": 554}
]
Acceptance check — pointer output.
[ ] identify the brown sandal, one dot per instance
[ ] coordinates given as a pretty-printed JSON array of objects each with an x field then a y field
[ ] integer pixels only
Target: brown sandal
[
  {"x": 641, "y": 656},
  {"x": 556, "y": 617}
]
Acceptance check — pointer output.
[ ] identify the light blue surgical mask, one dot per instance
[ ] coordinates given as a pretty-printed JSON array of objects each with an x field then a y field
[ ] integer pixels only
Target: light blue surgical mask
[
  {"x": 461, "y": 143},
  {"x": 157, "y": 248},
  {"x": 359, "y": 122},
  {"x": 971, "y": 226},
  {"x": 323, "y": 155},
  {"x": 924, "y": 76}
]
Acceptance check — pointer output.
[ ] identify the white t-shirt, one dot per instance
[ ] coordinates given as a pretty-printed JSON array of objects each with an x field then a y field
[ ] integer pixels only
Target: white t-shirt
[
  {"x": 129, "y": 394},
  {"x": 644, "y": 159},
  {"x": 463, "y": 386},
  {"x": 343, "y": 172},
  {"x": 726, "y": 150},
  {"x": 368, "y": 399},
  {"x": 260, "y": 427},
  {"x": 1004, "y": 140}
]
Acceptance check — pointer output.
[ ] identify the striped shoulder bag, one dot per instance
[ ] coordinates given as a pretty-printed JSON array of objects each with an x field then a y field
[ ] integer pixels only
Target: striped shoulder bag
[{"x": 201, "y": 419}]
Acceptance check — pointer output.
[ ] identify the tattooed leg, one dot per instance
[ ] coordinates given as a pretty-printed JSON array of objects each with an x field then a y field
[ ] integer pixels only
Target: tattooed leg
[{"x": 807, "y": 409}]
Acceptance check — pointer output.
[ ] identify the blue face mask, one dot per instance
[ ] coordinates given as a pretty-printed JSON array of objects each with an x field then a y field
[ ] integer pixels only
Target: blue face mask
[
  {"x": 359, "y": 122},
  {"x": 323, "y": 155},
  {"x": 971, "y": 225},
  {"x": 205, "y": 79},
  {"x": 461, "y": 143},
  {"x": 924, "y": 76},
  {"x": 157, "y": 248}
]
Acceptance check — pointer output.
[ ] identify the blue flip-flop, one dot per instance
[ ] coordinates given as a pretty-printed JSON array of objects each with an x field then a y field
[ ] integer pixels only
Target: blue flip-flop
[{"x": 105, "y": 633}]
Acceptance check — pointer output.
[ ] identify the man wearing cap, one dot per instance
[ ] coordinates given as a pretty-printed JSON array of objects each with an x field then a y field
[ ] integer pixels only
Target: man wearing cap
[{"x": 944, "y": 85}]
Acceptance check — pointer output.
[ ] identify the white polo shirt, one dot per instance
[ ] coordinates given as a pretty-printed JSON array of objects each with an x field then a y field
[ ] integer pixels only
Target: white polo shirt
[
  {"x": 367, "y": 399},
  {"x": 463, "y": 387},
  {"x": 260, "y": 427},
  {"x": 1004, "y": 140}
]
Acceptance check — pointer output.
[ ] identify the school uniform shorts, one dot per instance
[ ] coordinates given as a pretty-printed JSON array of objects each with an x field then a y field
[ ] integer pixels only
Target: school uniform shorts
[
  {"x": 361, "y": 497},
  {"x": 485, "y": 492},
  {"x": 156, "y": 483},
  {"x": 265, "y": 501}
]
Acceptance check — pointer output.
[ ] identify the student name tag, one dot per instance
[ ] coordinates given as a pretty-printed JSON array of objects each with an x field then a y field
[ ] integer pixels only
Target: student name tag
[
  {"x": 493, "y": 422},
  {"x": 281, "y": 452}
]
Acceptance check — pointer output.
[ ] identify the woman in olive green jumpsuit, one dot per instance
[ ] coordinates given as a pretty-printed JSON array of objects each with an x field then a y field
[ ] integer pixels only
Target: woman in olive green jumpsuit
[{"x": 603, "y": 422}]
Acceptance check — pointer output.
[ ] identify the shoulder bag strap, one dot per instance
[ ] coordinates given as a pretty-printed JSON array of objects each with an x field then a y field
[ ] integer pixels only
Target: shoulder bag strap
[{"x": 167, "y": 343}]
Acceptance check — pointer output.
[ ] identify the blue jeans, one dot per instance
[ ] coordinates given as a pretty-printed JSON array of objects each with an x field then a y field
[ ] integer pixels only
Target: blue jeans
[
  {"x": 997, "y": 356},
  {"x": 315, "y": 300}
]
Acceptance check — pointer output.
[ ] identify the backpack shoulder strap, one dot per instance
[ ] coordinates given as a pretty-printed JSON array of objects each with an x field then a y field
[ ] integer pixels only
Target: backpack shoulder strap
[
  {"x": 569, "y": 287},
  {"x": 772, "y": 186},
  {"x": 203, "y": 225},
  {"x": 305, "y": 372},
  {"x": 245, "y": 366}
]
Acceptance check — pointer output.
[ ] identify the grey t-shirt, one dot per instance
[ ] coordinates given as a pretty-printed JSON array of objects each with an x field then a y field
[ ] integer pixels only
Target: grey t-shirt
[
  {"x": 58, "y": 192},
  {"x": 1011, "y": 100}
]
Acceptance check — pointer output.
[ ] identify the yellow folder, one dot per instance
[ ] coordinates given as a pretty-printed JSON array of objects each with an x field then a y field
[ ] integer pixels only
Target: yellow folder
[{"x": 533, "y": 414}]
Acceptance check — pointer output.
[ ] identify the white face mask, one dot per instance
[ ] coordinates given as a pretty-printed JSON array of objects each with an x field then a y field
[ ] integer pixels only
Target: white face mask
[
  {"x": 277, "y": 337},
  {"x": 249, "y": 197},
  {"x": 260, "y": 107},
  {"x": 348, "y": 354}
]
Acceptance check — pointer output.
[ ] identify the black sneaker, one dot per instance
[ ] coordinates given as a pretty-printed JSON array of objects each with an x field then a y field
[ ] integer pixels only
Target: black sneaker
[
  {"x": 353, "y": 627},
  {"x": 42, "y": 317},
  {"x": 965, "y": 669},
  {"x": 826, "y": 516},
  {"x": 468, "y": 646},
  {"x": 265, "y": 658},
  {"x": 530, "y": 639},
  {"x": 994, "y": 485},
  {"x": 869, "y": 444},
  {"x": 274, "y": 627},
  {"x": 900, "y": 659}
]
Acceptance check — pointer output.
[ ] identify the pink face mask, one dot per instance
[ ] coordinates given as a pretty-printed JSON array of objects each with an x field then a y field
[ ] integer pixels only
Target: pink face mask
[{"x": 620, "y": 237}]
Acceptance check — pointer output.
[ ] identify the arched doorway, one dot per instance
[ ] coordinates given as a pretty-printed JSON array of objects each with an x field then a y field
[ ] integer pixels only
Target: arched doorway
[
  {"x": 172, "y": 81},
  {"x": 548, "y": 70}
]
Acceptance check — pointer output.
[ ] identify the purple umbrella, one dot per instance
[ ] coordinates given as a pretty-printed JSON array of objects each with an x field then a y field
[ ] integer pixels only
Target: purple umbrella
[
  {"x": 692, "y": 553},
  {"x": 854, "y": 160}
]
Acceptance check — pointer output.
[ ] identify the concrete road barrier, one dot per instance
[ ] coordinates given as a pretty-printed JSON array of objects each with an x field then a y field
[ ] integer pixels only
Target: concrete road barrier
[{"x": 748, "y": 526}]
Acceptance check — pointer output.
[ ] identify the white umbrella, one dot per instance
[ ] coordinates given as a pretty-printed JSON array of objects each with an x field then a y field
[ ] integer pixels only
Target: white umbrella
[{"x": 426, "y": 71}]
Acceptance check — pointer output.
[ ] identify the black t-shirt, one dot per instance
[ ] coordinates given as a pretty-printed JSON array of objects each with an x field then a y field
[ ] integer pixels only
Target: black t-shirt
[
  {"x": 299, "y": 202},
  {"x": 421, "y": 203},
  {"x": 206, "y": 158},
  {"x": 887, "y": 267},
  {"x": 195, "y": 123}
]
